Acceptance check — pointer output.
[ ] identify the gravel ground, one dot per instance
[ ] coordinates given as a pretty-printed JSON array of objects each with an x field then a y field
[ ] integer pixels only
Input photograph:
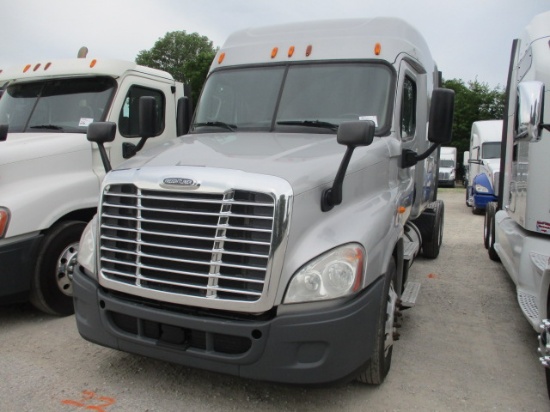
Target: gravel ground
[{"x": 465, "y": 346}]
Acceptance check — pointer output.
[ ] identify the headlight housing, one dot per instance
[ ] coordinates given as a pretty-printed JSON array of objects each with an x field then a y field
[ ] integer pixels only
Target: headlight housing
[
  {"x": 334, "y": 274},
  {"x": 87, "y": 248},
  {"x": 481, "y": 189}
]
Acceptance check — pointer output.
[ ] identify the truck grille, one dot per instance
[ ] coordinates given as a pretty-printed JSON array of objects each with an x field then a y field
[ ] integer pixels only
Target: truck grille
[
  {"x": 214, "y": 246},
  {"x": 444, "y": 176}
]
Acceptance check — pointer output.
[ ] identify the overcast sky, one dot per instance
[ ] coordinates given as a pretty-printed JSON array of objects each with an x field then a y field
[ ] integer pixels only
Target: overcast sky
[{"x": 469, "y": 39}]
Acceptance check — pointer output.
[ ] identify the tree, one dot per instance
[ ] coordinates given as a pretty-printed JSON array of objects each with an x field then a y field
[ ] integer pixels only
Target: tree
[
  {"x": 474, "y": 101},
  {"x": 187, "y": 57}
]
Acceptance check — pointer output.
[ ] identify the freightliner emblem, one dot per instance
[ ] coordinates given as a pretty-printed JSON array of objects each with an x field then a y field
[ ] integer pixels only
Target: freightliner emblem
[{"x": 181, "y": 182}]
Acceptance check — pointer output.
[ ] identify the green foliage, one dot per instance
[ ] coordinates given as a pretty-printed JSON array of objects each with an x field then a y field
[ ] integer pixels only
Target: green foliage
[
  {"x": 474, "y": 101},
  {"x": 187, "y": 57}
]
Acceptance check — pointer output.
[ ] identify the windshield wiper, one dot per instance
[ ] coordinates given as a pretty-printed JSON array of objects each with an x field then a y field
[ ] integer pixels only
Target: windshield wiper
[
  {"x": 47, "y": 126},
  {"x": 310, "y": 123},
  {"x": 223, "y": 125}
]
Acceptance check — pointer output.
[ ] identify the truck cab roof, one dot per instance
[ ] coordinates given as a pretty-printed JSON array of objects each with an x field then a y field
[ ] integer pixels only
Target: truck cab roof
[
  {"x": 75, "y": 67},
  {"x": 381, "y": 38}
]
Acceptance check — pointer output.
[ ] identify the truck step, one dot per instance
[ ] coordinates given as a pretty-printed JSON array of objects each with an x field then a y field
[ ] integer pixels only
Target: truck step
[
  {"x": 528, "y": 304},
  {"x": 411, "y": 249},
  {"x": 408, "y": 298}
]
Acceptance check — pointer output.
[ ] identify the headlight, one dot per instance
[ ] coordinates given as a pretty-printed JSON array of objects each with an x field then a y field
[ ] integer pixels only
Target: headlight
[
  {"x": 334, "y": 274},
  {"x": 481, "y": 189},
  {"x": 86, "y": 249},
  {"x": 4, "y": 220}
]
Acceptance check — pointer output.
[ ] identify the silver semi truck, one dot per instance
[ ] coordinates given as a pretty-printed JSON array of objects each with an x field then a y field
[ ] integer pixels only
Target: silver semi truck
[{"x": 274, "y": 240}]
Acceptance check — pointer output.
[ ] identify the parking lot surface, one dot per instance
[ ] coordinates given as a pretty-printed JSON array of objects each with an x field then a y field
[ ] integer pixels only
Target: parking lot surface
[{"x": 465, "y": 346}]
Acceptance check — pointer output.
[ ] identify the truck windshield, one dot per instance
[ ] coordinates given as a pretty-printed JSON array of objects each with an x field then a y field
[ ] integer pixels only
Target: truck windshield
[
  {"x": 490, "y": 150},
  {"x": 312, "y": 98},
  {"x": 60, "y": 105},
  {"x": 447, "y": 163}
]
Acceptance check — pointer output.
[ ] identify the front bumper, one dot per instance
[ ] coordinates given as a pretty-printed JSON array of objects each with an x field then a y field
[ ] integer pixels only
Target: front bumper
[
  {"x": 16, "y": 268},
  {"x": 315, "y": 347},
  {"x": 480, "y": 200}
]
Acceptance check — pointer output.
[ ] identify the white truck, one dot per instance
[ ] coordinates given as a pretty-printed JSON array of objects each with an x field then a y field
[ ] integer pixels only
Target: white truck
[
  {"x": 447, "y": 166},
  {"x": 517, "y": 227},
  {"x": 50, "y": 173},
  {"x": 484, "y": 164},
  {"x": 273, "y": 241}
]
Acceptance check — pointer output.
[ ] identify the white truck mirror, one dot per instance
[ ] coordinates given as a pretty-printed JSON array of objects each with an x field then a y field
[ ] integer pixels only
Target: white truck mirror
[{"x": 529, "y": 111}]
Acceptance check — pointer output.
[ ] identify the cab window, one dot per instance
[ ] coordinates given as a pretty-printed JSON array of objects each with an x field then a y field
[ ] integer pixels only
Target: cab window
[{"x": 408, "y": 109}]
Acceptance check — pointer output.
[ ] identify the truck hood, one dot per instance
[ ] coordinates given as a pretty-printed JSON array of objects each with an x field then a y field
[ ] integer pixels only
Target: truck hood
[
  {"x": 304, "y": 160},
  {"x": 20, "y": 147}
]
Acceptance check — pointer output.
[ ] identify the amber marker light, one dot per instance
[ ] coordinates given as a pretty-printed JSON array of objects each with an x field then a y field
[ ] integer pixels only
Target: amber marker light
[
  {"x": 4, "y": 218},
  {"x": 26, "y": 69},
  {"x": 274, "y": 52},
  {"x": 377, "y": 49},
  {"x": 47, "y": 66},
  {"x": 36, "y": 67},
  {"x": 290, "y": 51},
  {"x": 308, "y": 50},
  {"x": 93, "y": 63},
  {"x": 401, "y": 210},
  {"x": 221, "y": 57}
]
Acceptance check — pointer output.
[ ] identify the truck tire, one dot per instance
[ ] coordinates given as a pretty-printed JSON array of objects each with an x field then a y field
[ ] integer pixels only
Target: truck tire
[
  {"x": 489, "y": 230},
  {"x": 51, "y": 288},
  {"x": 468, "y": 203},
  {"x": 490, "y": 211},
  {"x": 432, "y": 244},
  {"x": 476, "y": 210},
  {"x": 379, "y": 364}
]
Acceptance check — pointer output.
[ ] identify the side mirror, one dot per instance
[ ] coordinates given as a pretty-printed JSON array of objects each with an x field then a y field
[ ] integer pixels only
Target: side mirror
[
  {"x": 147, "y": 126},
  {"x": 441, "y": 116},
  {"x": 100, "y": 133},
  {"x": 3, "y": 132},
  {"x": 183, "y": 116},
  {"x": 529, "y": 111},
  {"x": 352, "y": 135},
  {"x": 355, "y": 134},
  {"x": 147, "y": 117},
  {"x": 439, "y": 129}
]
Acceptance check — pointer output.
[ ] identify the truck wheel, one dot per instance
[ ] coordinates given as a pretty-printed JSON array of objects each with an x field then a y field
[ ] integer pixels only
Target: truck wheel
[
  {"x": 380, "y": 361},
  {"x": 51, "y": 288},
  {"x": 431, "y": 246},
  {"x": 489, "y": 230},
  {"x": 486, "y": 227}
]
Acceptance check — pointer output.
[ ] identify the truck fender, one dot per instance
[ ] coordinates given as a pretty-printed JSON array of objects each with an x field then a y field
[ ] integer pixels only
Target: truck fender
[{"x": 483, "y": 180}]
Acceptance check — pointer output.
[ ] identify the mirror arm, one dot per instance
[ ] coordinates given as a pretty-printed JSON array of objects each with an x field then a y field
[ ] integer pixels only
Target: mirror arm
[
  {"x": 104, "y": 157},
  {"x": 410, "y": 158},
  {"x": 333, "y": 196}
]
